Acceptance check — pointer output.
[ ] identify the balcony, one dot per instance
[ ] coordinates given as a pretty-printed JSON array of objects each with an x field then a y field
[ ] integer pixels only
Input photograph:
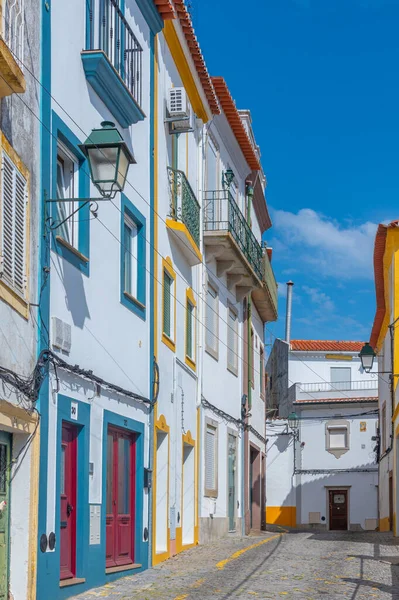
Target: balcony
[
  {"x": 12, "y": 80},
  {"x": 184, "y": 220},
  {"x": 229, "y": 240},
  {"x": 112, "y": 61},
  {"x": 265, "y": 297},
  {"x": 365, "y": 388}
]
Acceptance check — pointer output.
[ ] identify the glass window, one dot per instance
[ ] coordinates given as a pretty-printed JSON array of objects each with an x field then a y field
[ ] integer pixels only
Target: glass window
[
  {"x": 232, "y": 341},
  {"x": 211, "y": 320},
  {"x": 130, "y": 256},
  {"x": 67, "y": 188}
]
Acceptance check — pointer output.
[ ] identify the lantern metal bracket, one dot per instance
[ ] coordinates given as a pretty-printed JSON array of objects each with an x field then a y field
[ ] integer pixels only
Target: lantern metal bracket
[{"x": 93, "y": 202}]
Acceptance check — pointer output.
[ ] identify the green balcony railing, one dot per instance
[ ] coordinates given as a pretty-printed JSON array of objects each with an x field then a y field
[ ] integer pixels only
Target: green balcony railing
[
  {"x": 221, "y": 213},
  {"x": 184, "y": 205}
]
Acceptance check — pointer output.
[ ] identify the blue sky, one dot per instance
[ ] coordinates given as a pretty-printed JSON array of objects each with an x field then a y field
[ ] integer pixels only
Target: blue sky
[{"x": 321, "y": 78}]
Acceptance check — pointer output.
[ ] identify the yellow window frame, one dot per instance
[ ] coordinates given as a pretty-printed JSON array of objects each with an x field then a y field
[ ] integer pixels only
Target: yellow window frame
[{"x": 167, "y": 267}]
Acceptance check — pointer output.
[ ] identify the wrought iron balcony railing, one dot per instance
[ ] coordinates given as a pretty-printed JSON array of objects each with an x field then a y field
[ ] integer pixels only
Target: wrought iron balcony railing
[
  {"x": 109, "y": 31},
  {"x": 221, "y": 213},
  {"x": 184, "y": 205}
]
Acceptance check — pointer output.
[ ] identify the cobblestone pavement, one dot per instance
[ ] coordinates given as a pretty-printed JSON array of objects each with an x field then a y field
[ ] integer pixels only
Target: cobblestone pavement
[{"x": 337, "y": 566}]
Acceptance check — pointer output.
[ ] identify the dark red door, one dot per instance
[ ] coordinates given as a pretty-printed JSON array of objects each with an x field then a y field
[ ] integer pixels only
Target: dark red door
[
  {"x": 68, "y": 501},
  {"x": 338, "y": 509},
  {"x": 120, "y": 498}
]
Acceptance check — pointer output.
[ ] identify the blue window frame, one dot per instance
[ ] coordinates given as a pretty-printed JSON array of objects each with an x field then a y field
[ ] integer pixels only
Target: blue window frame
[
  {"x": 133, "y": 258},
  {"x": 70, "y": 179}
]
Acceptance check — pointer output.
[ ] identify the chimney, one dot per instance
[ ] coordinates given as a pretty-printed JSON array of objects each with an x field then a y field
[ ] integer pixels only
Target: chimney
[{"x": 289, "y": 312}]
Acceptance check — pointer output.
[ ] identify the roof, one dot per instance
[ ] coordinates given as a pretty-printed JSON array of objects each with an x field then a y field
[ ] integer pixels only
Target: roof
[
  {"x": 379, "y": 251},
  {"x": 344, "y": 400},
  {"x": 230, "y": 110},
  {"x": 176, "y": 9},
  {"x": 326, "y": 346}
]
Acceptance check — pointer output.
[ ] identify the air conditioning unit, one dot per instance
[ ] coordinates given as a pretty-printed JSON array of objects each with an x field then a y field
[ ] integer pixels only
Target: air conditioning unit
[{"x": 180, "y": 116}]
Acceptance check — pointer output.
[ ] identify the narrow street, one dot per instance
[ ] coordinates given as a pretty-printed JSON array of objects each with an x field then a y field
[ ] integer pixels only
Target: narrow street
[{"x": 309, "y": 566}]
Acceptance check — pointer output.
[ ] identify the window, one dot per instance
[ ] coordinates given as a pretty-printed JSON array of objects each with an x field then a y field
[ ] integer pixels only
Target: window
[
  {"x": 340, "y": 378},
  {"x": 190, "y": 328},
  {"x": 337, "y": 437},
  {"x": 67, "y": 189},
  {"x": 130, "y": 256},
  {"x": 232, "y": 341},
  {"x": 133, "y": 258},
  {"x": 168, "y": 304},
  {"x": 71, "y": 185},
  {"x": 212, "y": 321},
  {"x": 14, "y": 229},
  {"x": 211, "y": 448},
  {"x": 252, "y": 358},
  {"x": 262, "y": 371}
]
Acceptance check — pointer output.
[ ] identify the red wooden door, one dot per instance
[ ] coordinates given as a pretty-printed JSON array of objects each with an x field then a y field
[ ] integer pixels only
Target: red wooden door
[
  {"x": 120, "y": 498},
  {"x": 338, "y": 509},
  {"x": 68, "y": 502}
]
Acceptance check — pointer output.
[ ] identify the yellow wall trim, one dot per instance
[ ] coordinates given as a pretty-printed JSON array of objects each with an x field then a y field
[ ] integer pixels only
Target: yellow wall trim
[
  {"x": 178, "y": 226},
  {"x": 15, "y": 419},
  {"x": 33, "y": 515},
  {"x": 162, "y": 425},
  {"x": 188, "y": 439},
  {"x": 338, "y": 357},
  {"x": 395, "y": 414},
  {"x": 167, "y": 266},
  {"x": 184, "y": 69},
  {"x": 384, "y": 524},
  {"x": 281, "y": 515}
]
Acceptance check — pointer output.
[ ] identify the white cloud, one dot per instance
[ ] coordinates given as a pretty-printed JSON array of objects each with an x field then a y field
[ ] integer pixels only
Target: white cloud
[
  {"x": 319, "y": 298},
  {"x": 323, "y": 245}
]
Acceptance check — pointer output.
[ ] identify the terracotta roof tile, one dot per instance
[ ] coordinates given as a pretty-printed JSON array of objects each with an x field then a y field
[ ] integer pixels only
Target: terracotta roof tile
[
  {"x": 336, "y": 400},
  {"x": 326, "y": 346},
  {"x": 230, "y": 110}
]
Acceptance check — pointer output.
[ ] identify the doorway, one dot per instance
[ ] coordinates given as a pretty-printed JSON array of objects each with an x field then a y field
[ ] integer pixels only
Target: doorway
[
  {"x": 255, "y": 488},
  {"x": 390, "y": 501},
  {"x": 5, "y": 461},
  {"x": 188, "y": 504},
  {"x": 338, "y": 510},
  {"x": 120, "y": 498},
  {"x": 68, "y": 474},
  {"x": 232, "y": 460}
]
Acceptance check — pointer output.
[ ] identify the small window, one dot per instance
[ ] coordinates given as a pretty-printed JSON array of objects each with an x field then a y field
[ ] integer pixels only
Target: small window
[
  {"x": 168, "y": 304},
  {"x": 211, "y": 461},
  {"x": 130, "y": 256},
  {"x": 67, "y": 190},
  {"x": 252, "y": 347},
  {"x": 337, "y": 437},
  {"x": 212, "y": 321},
  {"x": 340, "y": 378},
  {"x": 232, "y": 341},
  {"x": 14, "y": 230}
]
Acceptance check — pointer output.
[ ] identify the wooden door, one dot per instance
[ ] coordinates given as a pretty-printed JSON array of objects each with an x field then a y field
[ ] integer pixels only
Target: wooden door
[
  {"x": 5, "y": 461},
  {"x": 68, "y": 475},
  {"x": 120, "y": 498},
  {"x": 338, "y": 500}
]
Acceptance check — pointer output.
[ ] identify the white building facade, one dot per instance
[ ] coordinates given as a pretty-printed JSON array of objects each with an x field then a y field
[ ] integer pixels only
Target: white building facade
[{"x": 327, "y": 462}]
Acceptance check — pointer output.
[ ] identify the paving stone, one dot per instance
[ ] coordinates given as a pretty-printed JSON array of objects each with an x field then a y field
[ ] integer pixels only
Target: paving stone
[{"x": 296, "y": 565}]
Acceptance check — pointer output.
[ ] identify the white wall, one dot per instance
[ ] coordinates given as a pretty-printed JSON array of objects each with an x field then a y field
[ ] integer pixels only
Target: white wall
[
  {"x": 280, "y": 481},
  {"x": 306, "y": 367}
]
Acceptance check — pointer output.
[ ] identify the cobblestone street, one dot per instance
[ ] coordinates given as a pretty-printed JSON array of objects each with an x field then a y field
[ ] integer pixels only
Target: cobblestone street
[{"x": 298, "y": 565}]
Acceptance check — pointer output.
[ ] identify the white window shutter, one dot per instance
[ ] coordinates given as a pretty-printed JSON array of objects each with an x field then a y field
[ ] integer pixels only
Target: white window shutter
[
  {"x": 210, "y": 471},
  {"x": 13, "y": 222}
]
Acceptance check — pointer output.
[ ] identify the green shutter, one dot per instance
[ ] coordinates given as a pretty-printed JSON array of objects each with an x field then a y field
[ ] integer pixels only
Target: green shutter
[
  {"x": 167, "y": 284},
  {"x": 189, "y": 330}
]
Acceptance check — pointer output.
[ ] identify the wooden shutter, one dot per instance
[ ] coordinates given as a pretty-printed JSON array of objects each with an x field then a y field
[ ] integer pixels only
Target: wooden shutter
[
  {"x": 167, "y": 284},
  {"x": 13, "y": 219},
  {"x": 210, "y": 458}
]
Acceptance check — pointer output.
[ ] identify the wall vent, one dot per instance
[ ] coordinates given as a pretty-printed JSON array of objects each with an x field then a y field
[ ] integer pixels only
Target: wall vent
[
  {"x": 314, "y": 518},
  {"x": 62, "y": 335}
]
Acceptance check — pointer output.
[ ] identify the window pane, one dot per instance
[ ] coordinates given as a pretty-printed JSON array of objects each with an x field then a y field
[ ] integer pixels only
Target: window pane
[
  {"x": 232, "y": 340},
  {"x": 110, "y": 472},
  {"x": 67, "y": 171},
  {"x": 123, "y": 476},
  {"x": 130, "y": 256}
]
